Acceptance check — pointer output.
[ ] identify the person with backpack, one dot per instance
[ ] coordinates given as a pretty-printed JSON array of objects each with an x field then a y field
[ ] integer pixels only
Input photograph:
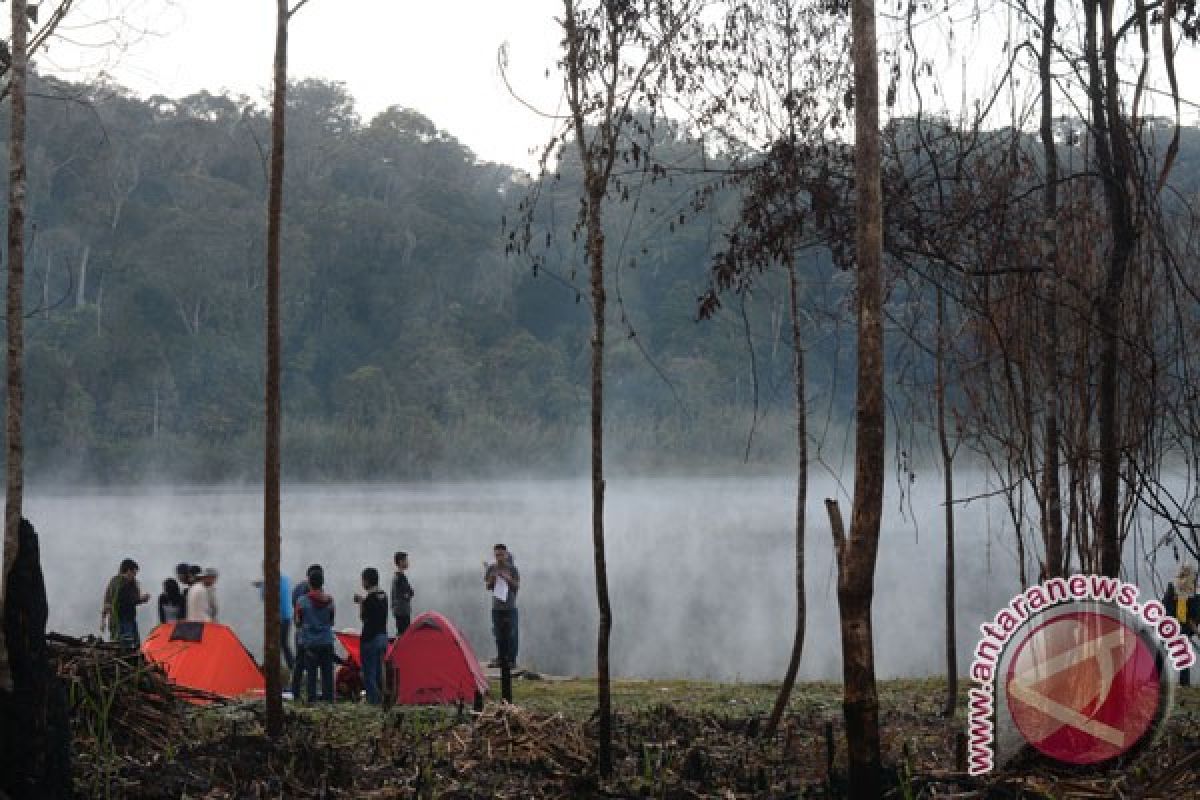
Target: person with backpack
[
  {"x": 314, "y": 620},
  {"x": 373, "y": 609}
]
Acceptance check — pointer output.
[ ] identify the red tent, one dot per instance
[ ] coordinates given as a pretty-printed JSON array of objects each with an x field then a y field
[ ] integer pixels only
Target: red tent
[
  {"x": 204, "y": 655},
  {"x": 434, "y": 663}
]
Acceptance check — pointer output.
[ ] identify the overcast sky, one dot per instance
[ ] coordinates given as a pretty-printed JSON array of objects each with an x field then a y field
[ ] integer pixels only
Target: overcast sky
[{"x": 437, "y": 56}]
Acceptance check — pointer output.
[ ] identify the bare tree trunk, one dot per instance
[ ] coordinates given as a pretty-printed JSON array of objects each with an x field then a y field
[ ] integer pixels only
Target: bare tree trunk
[
  {"x": 951, "y": 706},
  {"x": 789, "y": 678},
  {"x": 857, "y": 554},
  {"x": 14, "y": 456},
  {"x": 271, "y": 468},
  {"x": 1052, "y": 530},
  {"x": 1114, "y": 158},
  {"x": 596, "y": 258}
]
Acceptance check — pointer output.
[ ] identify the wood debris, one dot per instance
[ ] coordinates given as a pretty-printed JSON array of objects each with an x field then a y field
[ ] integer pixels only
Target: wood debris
[{"x": 508, "y": 735}]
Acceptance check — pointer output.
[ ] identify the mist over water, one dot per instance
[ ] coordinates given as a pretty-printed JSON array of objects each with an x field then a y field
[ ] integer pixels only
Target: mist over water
[{"x": 700, "y": 569}]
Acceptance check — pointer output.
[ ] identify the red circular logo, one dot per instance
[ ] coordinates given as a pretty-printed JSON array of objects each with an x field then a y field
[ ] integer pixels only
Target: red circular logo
[{"x": 1083, "y": 687}]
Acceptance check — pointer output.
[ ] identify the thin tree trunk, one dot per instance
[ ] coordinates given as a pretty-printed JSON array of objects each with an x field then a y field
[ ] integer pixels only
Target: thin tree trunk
[
  {"x": 856, "y": 566},
  {"x": 596, "y": 258},
  {"x": 14, "y": 455},
  {"x": 1115, "y": 161},
  {"x": 951, "y": 706},
  {"x": 271, "y": 468},
  {"x": 789, "y": 678},
  {"x": 1052, "y": 530}
]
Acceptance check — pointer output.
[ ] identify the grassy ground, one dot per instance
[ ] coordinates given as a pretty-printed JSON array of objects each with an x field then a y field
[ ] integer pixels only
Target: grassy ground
[{"x": 673, "y": 739}]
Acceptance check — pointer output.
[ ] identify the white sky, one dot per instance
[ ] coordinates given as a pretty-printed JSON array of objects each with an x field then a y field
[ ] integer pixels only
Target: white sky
[{"x": 437, "y": 56}]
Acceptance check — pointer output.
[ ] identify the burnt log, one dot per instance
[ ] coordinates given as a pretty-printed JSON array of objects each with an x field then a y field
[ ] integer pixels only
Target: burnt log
[{"x": 35, "y": 736}]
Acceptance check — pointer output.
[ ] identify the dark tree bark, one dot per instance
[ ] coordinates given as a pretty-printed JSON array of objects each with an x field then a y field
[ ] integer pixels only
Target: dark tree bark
[
  {"x": 947, "y": 452},
  {"x": 1115, "y": 161},
  {"x": 1051, "y": 495},
  {"x": 596, "y": 258},
  {"x": 597, "y": 165},
  {"x": 14, "y": 456},
  {"x": 271, "y": 467},
  {"x": 857, "y": 552},
  {"x": 35, "y": 735}
]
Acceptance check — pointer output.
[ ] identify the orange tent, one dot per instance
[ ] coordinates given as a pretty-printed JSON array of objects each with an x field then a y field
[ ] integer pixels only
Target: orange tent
[
  {"x": 434, "y": 663},
  {"x": 206, "y": 656}
]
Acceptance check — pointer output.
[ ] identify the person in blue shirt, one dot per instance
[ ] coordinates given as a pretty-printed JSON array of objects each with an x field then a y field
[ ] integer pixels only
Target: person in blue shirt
[{"x": 285, "y": 618}]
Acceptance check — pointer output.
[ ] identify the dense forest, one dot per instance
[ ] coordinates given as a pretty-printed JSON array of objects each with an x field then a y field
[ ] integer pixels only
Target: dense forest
[{"x": 413, "y": 345}]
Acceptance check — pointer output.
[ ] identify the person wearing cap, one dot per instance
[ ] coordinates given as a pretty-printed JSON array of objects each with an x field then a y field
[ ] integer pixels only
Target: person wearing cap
[
  {"x": 210, "y": 589},
  {"x": 1182, "y": 603},
  {"x": 198, "y": 607}
]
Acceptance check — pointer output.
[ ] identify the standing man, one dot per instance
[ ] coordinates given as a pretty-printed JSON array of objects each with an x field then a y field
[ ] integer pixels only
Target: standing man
[
  {"x": 129, "y": 596},
  {"x": 108, "y": 606},
  {"x": 301, "y": 661},
  {"x": 197, "y": 599},
  {"x": 183, "y": 575},
  {"x": 314, "y": 621},
  {"x": 210, "y": 590},
  {"x": 503, "y": 580},
  {"x": 1182, "y": 603},
  {"x": 373, "y": 610},
  {"x": 402, "y": 594},
  {"x": 286, "y": 605}
]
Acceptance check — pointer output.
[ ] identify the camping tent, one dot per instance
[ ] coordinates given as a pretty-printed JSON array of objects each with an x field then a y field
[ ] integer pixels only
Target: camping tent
[
  {"x": 434, "y": 663},
  {"x": 206, "y": 656}
]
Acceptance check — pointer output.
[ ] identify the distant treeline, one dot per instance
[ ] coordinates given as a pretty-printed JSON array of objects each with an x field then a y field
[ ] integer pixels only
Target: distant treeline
[{"x": 414, "y": 347}]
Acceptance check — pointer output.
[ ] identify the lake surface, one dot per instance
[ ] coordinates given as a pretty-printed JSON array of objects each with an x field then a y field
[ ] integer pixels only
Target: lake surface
[{"x": 700, "y": 569}]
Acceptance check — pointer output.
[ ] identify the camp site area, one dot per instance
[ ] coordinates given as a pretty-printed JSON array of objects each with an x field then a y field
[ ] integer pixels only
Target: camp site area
[{"x": 675, "y": 739}]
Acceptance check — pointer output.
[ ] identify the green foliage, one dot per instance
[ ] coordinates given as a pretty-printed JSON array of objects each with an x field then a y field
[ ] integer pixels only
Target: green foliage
[{"x": 412, "y": 346}]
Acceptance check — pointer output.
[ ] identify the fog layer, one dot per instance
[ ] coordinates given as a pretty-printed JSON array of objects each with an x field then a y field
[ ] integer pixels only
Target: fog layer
[{"x": 700, "y": 570}]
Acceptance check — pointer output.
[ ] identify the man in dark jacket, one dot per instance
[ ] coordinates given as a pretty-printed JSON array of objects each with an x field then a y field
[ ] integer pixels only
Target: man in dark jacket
[
  {"x": 402, "y": 594},
  {"x": 129, "y": 597},
  {"x": 373, "y": 609}
]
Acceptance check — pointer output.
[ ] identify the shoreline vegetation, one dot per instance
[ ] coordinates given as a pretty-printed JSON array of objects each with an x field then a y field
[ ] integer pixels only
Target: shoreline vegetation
[{"x": 672, "y": 738}]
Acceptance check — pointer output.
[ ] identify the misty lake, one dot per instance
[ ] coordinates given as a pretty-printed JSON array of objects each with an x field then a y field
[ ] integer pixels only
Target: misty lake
[{"x": 700, "y": 569}]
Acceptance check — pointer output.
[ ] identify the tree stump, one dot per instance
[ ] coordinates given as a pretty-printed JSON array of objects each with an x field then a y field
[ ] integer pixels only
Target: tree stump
[{"x": 35, "y": 736}]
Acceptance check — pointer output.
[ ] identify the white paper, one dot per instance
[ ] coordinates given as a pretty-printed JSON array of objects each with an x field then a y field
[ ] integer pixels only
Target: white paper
[{"x": 500, "y": 589}]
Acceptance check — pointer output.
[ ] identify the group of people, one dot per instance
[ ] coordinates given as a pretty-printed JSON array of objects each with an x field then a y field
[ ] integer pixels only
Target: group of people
[
  {"x": 307, "y": 606},
  {"x": 195, "y": 600}
]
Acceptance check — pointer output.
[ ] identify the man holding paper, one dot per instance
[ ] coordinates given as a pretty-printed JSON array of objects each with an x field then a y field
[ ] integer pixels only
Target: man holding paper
[{"x": 503, "y": 580}]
